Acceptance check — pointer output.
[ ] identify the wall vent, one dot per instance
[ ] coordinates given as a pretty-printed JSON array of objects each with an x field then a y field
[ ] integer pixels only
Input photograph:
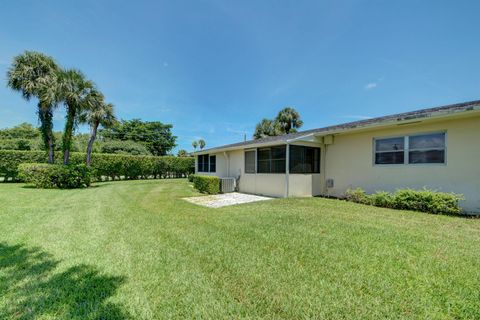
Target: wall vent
[{"x": 330, "y": 183}]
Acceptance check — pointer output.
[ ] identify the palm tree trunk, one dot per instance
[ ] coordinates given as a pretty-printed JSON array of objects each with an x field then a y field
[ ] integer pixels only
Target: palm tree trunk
[
  {"x": 67, "y": 135},
  {"x": 93, "y": 136},
  {"x": 45, "y": 115}
]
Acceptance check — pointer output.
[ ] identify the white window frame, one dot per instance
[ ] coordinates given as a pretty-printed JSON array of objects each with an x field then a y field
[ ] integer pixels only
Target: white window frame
[{"x": 406, "y": 149}]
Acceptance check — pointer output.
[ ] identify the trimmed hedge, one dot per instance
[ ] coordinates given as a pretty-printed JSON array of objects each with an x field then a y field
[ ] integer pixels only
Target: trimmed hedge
[
  {"x": 47, "y": 176},
  {"x": 206, "y": 184},
  {"x": 104, "y": 166},
  {"x": 408, "y": 199}
]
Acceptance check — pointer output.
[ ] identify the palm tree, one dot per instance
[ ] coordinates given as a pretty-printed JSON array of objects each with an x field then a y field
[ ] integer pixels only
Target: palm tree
[
  {"x": 97, "y": 113},
  {"x": 36, "y": 75},
  {"x": 288, "y": 120},
  {"x": 201, "y": 144},
  {"x": 195, "y": 145},
  {"x": 265, "y": 128},
  {"x": 75, "y": 91},
  {"x": 182, "y": 153}
]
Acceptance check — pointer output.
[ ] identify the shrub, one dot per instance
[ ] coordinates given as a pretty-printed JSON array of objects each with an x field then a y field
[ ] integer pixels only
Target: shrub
[
  {"x": 190, "y": 177},
  {"x": 382, "y": 199},
  {"x": 114, "y": 166},
  {"x": 357, "y": 195},
  {"x": 206, "y": 184},
  {"x": 408, "y": 199},
  {"x": 43, "y": 175},
  {"x": 427, "y": 201}
]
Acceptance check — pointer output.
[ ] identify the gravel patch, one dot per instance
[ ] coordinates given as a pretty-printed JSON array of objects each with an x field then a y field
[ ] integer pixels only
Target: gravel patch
[{"x": 226, "y": 199}]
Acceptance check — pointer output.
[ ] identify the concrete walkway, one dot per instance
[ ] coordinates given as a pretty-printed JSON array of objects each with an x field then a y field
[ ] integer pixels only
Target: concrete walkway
[{"x": 225, "y": 199}]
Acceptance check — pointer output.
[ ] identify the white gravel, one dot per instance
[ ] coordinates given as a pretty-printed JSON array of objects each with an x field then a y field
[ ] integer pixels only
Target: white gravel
[{"x": 225, "y": 199}]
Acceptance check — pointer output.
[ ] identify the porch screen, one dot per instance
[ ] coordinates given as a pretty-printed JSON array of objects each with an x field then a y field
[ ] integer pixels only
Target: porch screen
[
  {"x": 250, "y": 161},
  {"x": 271, "y": 160},
  {"x": 304, "y": 159}
]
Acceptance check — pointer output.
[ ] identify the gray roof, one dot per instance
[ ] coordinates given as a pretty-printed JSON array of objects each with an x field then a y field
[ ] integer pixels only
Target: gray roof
[{"x": 411, "y": 115}]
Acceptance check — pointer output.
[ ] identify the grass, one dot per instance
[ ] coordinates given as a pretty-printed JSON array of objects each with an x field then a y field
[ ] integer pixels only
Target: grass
[{"x": 135, "y": 250}]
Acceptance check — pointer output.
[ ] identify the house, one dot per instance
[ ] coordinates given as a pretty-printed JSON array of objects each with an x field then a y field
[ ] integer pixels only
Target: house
[{"x": 437, "y": 148}]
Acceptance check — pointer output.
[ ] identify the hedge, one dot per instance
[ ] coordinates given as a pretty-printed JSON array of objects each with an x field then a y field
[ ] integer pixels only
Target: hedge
[
  {"x": 408, "y": 199},
  {"x": 104, "y": 166},
  {"x": 43, "y": 175},
  {"x": 206, "y": 184}
]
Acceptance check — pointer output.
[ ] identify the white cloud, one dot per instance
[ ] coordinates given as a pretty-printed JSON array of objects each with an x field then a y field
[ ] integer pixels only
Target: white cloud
[{"x": 370, "y": 86}]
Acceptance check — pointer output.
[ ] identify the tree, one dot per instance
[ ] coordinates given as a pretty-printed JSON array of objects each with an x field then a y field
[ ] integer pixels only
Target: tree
[
  {"x": 156, "y": 136},
  {"x": 21, "y": 131},
  {"x": 75, "y": 90},
  {"x": 265, "y": 128},
  {"x": 195, "y": 145},
  {"x": 97, "y": 113},
  {"x": 288, "y": 120},
  {"x": 36, "y": 75},
  {"x": 201, "y": 144},
  {"x": 182, "y": 153},
  {"x": 124, "y": 147}
]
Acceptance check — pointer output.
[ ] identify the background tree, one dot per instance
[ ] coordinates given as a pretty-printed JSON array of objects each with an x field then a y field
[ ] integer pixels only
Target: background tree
[
  {"x": 36, "y": 75},
  {"x": 265, "y": 128},
  {"x": 156, "y": 136},
  {"x": 288, "y": 120},
  {"x": 201, "y": 144},
  {"x": 182, "y": 153},
  {"x": 98, "y": 113},
  {"x": 22, "y": 131},
  {"x": 75, "y": 90},
  {"x": 195, "y": 145}
]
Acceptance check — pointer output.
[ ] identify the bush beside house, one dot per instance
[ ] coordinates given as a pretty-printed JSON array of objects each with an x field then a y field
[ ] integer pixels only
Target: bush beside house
[
  {"x": 408, "y": 199},
  {"x": 206, "y": 184}
]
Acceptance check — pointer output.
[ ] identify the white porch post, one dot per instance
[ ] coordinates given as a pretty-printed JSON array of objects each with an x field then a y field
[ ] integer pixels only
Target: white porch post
[{"x": 287, "y": 170}]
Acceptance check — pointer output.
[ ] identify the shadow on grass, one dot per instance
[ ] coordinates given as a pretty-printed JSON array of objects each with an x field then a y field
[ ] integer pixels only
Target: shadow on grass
[{"x": 30, "y": 288}]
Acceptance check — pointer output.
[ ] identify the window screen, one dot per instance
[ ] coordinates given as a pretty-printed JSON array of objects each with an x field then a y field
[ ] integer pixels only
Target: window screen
[
  {"x": 304, "y": 159},
  {"x": 203, "y": 163},
  {"x": 428, "y": 148},
  {"x": 390, "y": 151},
  {"x": 415, "y": 149},
  {"x": 213, "y": 163},
  {"x": 250, "y": 161},
  {"x": 271, "y": 160}
]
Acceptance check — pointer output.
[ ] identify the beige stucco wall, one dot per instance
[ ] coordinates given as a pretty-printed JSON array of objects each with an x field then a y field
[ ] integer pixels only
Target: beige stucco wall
[
  {"x": 349, "y": 161},
  {"x": 304, "y": 185}
]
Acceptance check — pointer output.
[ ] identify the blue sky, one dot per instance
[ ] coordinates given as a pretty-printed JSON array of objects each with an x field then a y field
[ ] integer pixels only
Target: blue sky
[{"x": 214, "y": 68}]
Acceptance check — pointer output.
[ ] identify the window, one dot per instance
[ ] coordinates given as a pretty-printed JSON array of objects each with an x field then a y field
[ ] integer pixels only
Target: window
[
  {"x": 390, "y": 151},
  {"x": 271, "y": 160},
  {"x": 414, "y": 149},
  {"x": 213, "y": 163},
  {"x": 428, "y": 148},
  {"x": 250, "y": 161},
  {"x": 203, "y": 163},
  {"x": 304, "y": 159}
]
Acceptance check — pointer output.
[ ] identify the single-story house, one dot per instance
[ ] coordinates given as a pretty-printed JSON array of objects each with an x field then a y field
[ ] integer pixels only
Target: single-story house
[{"x": 437, "y": 148}]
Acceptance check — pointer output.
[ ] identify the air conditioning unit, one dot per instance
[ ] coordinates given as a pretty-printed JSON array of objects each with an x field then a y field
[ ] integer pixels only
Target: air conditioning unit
[{"x": 228, "y": 184}]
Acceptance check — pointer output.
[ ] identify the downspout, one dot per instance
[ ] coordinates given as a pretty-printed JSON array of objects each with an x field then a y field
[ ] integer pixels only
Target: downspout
[
  {"x": 324, "y": 167},
  {"x": 225, "y": 154},
  {"x": 287, "y": 171}
]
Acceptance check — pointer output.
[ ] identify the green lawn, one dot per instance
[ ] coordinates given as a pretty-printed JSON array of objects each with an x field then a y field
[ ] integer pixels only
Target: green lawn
[{"x": 135, "y": 250}]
